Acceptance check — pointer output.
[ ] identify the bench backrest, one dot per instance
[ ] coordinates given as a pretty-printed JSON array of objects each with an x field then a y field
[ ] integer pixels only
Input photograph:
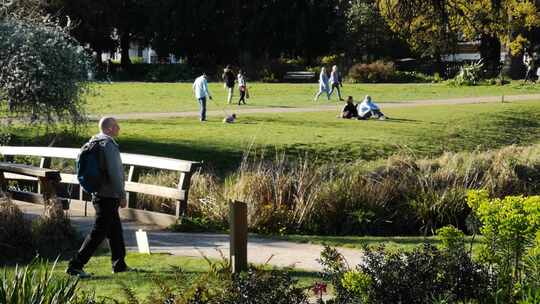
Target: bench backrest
[{"x": 134, "y": 161}]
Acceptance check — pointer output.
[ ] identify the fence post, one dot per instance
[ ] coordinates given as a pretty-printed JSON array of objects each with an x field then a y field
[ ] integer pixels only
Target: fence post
[
  {"x": 183, "y": 184},
  {"x": 44, "y": 162},
  {"x": 133, "y": 176},
  {"x": 238, "y": 236},
  {"x": 3, "y": 183}
]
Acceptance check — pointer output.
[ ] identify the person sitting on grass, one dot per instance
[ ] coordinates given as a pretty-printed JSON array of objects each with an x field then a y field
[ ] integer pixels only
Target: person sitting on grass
[
  {"x": 349, "y": 110},
  {"x": 368, "y": 108}
]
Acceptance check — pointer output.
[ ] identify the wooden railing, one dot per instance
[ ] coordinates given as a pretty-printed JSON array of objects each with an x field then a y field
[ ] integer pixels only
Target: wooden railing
[{"x": 135, "y": 163}]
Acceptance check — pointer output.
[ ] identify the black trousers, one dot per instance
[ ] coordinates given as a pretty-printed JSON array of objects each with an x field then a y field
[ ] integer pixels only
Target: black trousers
[
  {"x": 242, "y": 97},
  {"x": 107, "y": 225}
]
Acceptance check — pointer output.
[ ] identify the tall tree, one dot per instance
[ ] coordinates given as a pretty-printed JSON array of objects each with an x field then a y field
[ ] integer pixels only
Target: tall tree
[
  {"x": 367, "y": 35},
  {"x": 434, "y": 25}
]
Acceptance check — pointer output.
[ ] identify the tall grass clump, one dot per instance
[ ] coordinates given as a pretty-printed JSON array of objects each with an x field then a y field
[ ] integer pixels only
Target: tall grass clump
[
  {"x": 403, "y": 195},
  {"x": 16, "y": 242},
  {"x": 21, "y": 239},
  {"x": 36, "y": 283}
]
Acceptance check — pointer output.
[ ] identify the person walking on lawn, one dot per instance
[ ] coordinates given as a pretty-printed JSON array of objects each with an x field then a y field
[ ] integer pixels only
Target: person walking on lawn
[
  {"x": 323, "y": 85},
  {"x": 335, "y": 82},
  {"x": 109, "y": 197},
  {"x": 242, "y": 87},
  {"x": 228, "y": 77},
  {"x": 200, "y": 89}
]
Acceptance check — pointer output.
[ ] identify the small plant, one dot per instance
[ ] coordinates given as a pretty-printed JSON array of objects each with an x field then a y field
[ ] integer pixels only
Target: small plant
[
  {"x": 36, "y": 283},
  {"x": 468, "y": 75}
]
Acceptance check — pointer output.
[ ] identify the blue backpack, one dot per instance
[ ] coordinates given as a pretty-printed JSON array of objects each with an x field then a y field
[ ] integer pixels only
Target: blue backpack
[{"x": 91, "y": 166}]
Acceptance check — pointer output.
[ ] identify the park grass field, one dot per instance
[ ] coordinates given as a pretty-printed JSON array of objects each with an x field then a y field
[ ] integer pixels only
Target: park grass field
[
  {"x": 152, "y": 270},
  {"x": 425, "y": 131},
  {"x": 390, "y": 242},
  {"x": 138, "y": 97}
]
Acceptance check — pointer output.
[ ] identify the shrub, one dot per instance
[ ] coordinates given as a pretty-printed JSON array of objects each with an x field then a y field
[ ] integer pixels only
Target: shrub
[
  {"x": 511, "y": 228},
  {"x": 378, "y": 71},
  {"x": 330, "y": 60},
  {"x": 263, "y": 287},
  {"x": 197, "y": 224},
  {"x": 16, "y": 243},
  {"x": 54, "y": 235},
  {"x": 418, "y": 276},
  {"x": 153, "y": 72}
]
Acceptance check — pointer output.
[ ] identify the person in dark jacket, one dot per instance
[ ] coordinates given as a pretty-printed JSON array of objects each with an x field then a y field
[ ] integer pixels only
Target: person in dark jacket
[
  {"x": 110, "y": 196},
  {"x": 228, "y": 78},
  {"x": 349, "y": 110}
]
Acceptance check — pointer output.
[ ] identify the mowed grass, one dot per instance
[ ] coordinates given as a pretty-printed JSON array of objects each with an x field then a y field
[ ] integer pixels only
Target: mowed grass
[
  {"x": 137, "y": 97},
  {"x": 151, "y": 269},
  {"x": 421, "y": 130},
  {"x": 390, "y": 242}
]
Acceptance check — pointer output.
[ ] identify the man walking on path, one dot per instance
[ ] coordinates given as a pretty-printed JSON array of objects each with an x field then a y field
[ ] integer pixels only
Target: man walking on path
[
  {"x": 200, "y": 89},
  {"x": 109, "y": 197}
]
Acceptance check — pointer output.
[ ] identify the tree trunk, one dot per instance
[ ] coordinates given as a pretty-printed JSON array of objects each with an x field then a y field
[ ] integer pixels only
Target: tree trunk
[
  {"x": 490, "y": 52},
  {"x": 124, "y": 50}
]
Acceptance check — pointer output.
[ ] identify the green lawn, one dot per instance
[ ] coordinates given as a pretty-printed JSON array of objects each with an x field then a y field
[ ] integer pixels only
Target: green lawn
[
  {"x": 391, "y": 242},
  {"x": 151, "y": 269},
  {"x": 126, "y": 97},
  {"x": 424, "y": 131}
]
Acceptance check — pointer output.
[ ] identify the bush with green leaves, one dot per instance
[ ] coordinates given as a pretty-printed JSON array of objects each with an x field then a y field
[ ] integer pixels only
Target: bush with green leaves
[
  {"x": 424, "y": 275},
  {"x": 511, "y": 230},
  {"x": 378, "y": 71},
  {"x": 43, "y": 71}
]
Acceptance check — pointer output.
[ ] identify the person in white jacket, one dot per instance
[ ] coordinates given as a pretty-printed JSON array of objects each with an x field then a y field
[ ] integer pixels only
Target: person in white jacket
[
  {"x": 200, "y": 89},
  {"x": 323, "y": 85},
  {"x": 367, "y": 108}
]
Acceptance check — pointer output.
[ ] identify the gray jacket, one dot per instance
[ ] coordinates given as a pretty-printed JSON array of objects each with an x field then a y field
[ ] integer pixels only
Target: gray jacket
[{"x": 113, "y": 187}]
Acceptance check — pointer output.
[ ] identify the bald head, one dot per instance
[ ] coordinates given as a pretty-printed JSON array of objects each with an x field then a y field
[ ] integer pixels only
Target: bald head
[{"x": 108, "y": 125}]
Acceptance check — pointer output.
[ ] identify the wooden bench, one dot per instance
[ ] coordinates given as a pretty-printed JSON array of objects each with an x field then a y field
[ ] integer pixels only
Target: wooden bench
[
  {"x": 299, "y": 76},
  {"x": 48, "y": 182},
  {"x": 133, "y": 186}
]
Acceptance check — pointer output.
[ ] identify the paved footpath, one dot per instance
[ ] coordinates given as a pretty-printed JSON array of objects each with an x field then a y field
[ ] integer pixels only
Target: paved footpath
[
  {"x": 260, "y": 250},
  {"x": 322, "y": 108}
]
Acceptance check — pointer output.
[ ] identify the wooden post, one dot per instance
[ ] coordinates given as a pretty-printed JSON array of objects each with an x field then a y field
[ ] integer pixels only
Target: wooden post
[
  {"x": 133, "y": 176},
  {"x": 3, "y": 183},
  {"x": 44, "y": 162},
  {"x": 238, "y": 236},
  {"x": 183, "y": 184}
]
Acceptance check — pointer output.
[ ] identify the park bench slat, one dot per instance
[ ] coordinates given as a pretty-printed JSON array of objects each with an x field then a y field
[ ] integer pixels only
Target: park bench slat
[
  {"x": 29, "y": 170},
  {"x": 161, "y": 191},
  {"x": 127, "y": 158},
  {"x": 21, "y": 177}
]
